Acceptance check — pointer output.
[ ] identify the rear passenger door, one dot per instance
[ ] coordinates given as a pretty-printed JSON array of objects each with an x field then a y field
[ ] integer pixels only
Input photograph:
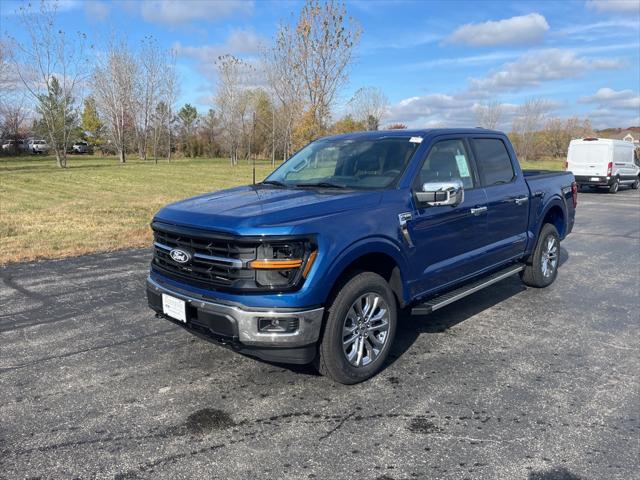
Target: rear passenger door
[{"x": 507, "y": 200}]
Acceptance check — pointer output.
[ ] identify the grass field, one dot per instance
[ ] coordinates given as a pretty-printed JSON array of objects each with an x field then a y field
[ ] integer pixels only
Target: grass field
[{"x": 97, "y": 204}]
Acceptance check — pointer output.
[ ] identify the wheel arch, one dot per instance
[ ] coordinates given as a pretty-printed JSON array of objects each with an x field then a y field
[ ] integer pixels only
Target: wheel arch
[
  {"x": 556, "y": 216},
  {"x": 379, "y": 256}
]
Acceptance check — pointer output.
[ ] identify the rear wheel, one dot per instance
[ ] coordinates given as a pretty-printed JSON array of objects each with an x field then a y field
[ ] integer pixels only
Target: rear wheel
[
  {"x": 546, "y": 257},
  {"x": 359, "y": 330},
  {"x": 636, "y": 184},
  {"x": 614, "y": 186}
]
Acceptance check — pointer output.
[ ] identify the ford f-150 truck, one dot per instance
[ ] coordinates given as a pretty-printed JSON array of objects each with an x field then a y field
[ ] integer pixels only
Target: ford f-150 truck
[{"x": 314, "y": 263}]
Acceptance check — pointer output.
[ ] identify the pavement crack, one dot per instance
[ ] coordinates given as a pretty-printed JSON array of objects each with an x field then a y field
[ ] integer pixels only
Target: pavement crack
[
  {"x": 337, "y": 427},
  {"x": 85, "y": 350}
]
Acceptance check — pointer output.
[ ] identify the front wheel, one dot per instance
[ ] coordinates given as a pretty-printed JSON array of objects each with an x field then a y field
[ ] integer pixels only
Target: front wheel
[
  {"x": 359, "y": 330},
  {"x": 635, "y": 184},
  {"x": 546, "y": 257}
]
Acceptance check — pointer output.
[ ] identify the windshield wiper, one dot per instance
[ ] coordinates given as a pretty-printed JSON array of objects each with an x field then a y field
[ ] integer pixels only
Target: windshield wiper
[
  {"x": 273, "y": 182},
  {"x": 320, "y": 185}
]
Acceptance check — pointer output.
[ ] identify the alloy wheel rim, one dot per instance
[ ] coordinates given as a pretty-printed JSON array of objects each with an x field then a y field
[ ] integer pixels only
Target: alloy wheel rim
[
  {"x": 549, "y": 259},
  {"x": 365, "y": 329}
]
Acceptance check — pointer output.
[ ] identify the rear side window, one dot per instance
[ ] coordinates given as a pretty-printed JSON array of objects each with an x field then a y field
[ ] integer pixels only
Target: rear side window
[{"x": 493, "y": 160}]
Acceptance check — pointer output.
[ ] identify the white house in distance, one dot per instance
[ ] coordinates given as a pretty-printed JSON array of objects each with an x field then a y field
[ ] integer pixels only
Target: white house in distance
[{"x": 629, "y": 138}]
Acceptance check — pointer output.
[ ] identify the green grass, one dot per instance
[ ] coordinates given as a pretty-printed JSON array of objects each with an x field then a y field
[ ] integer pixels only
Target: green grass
[
  {"x": 544, "y": 164},
  {"x": 97, "y": 204}
]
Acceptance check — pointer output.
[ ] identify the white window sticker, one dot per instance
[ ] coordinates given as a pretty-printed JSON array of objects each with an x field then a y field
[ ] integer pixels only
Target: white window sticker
[
  {"x": 463, "y": 168},
  {"x": 415, "y": 139}
]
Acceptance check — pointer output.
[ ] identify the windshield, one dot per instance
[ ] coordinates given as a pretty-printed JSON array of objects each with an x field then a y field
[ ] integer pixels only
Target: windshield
[{"x": 364, "y": 163}]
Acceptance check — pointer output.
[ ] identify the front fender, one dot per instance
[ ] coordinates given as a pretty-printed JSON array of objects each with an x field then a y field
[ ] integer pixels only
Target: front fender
[{"x": 365, "y": 246}]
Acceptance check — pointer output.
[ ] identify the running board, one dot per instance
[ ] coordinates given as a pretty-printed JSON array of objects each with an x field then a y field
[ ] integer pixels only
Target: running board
[{"x": 450, "y": 297}]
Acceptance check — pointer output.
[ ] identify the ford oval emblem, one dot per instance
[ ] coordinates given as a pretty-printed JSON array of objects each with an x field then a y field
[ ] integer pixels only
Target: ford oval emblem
[{"x": 180, "y": 256}]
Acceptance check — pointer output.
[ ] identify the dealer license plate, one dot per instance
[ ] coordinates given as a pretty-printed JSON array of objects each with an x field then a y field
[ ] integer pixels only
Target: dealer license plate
[
  {"x": 595, "y": 179},
  {"x": 174, "y": 307}
]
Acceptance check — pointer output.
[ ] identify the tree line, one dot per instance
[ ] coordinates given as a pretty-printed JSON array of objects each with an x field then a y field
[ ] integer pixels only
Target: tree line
[{"x": 124, "y": 101}]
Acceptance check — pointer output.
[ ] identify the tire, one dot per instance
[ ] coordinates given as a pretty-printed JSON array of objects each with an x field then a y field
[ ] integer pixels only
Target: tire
[
  {"x": 614, "y": 186},
  {"x": 351, "y": 364},
  {"x": 535, "y": 275},
  {"x": 635, "y": 184}
]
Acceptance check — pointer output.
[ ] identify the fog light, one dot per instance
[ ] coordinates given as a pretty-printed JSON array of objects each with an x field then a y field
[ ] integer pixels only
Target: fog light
[{"x": 278, "y": 325}]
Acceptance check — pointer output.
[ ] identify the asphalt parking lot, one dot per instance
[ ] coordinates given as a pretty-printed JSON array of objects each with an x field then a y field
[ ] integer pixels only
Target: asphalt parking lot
[{"x": 509, "y": 383}]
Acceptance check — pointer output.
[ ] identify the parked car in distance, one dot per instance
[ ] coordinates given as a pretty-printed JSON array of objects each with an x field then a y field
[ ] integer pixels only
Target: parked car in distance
[
  {"x": 38, "y": 147},
  {"x": 81, "y": 147},
  {"x": 603, "y": 162},
  {"x": 15, "y": 146},
  {"x": 313, "y": 264}
]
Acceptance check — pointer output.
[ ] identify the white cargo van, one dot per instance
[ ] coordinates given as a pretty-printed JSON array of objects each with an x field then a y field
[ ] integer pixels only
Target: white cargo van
[{"x": 603, "y": 162}]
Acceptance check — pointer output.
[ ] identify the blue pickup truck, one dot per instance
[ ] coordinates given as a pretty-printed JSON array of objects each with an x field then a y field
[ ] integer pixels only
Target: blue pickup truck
[{"x": 314, "y": 263}]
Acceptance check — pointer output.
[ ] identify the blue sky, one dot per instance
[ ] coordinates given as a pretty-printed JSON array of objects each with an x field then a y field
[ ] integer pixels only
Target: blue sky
[{"x": 436, "y": 61}]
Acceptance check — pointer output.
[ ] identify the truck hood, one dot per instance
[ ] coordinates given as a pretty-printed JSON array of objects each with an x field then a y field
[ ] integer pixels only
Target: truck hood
[{"x": 241, "y": 210}]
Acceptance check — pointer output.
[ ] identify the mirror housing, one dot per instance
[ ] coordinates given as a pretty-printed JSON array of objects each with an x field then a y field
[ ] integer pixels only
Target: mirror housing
[{"x": 441, "y": 193}]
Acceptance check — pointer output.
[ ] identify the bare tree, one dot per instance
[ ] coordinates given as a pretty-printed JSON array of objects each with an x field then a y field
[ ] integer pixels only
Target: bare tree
[
  {"x": 148, "y": 88},
  {"x": 232, "y": 101},
  {"x": 7, "y": 80},
  {"x": 558, "y": 133},
  {"x": 13, "y": 117},
  {"x": 368, "y": 105},
  {"x": 488, "y": 115},
  {"x": 527, "y": 123},
  {"x": 113, "y": 88},
  {"x": 285, "y": 89},
  {"x": 318, "y": 51},
  {"x": 51, "y": 66},
  {"x": 13, "y": 114},
  {"x": 170, "y": 89}
]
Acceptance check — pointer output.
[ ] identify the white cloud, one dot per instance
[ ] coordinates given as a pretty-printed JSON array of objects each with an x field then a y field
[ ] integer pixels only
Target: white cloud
[
  {"x": 461, "y": 61},
  {"x": 177, "y": 12},
  {"x": 626, "y": 6},
  {"x": 544, "y": 65},
  {"x": 97, "y": 10},
  {"x": 239, "y": 42},
  {"x": 608, "y": 98},
  {"x": 243, "y": 44},
  {"x": 607, "y": 118},
  {"x": 525, "y": 29},
  {"x": 617, "y": 26},
  {"x": 442, "y": 110}
]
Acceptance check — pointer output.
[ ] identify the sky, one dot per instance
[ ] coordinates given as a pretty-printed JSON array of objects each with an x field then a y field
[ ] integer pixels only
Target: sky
[{"x": 435, "y": 60}]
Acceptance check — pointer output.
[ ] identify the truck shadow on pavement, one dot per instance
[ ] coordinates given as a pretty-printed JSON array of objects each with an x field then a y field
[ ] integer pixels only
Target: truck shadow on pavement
[{"x": 410, "y": 327}]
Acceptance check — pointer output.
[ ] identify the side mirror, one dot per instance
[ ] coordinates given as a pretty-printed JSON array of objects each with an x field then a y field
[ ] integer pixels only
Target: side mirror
[{"x": 441, "y": 193}]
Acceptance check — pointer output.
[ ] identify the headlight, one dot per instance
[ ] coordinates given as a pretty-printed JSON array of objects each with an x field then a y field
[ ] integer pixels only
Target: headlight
[{"x": 281, "y": 264}]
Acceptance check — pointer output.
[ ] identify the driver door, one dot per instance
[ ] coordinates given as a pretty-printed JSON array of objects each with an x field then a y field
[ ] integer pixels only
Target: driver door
[{"x": 448, "y": 239}]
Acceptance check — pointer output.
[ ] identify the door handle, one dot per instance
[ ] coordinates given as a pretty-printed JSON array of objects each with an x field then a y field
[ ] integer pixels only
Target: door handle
[
  {"x": 478, "y": 210},
  {"x": 520, "y": 200}
]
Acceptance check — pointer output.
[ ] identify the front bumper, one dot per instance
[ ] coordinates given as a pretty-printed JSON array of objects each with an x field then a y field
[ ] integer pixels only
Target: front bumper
[{"x": 236, "y": 326}]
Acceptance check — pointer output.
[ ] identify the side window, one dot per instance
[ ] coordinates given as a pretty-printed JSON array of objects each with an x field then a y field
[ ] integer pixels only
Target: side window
[
  {"x": 493, "y": 161},
  {"x": 447, "y": 160}
]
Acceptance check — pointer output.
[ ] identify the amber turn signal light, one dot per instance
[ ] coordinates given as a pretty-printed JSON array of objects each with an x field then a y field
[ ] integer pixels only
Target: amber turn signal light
[
  {"x": 275, "y": 264},
  {"x": 307, "y": 267}
]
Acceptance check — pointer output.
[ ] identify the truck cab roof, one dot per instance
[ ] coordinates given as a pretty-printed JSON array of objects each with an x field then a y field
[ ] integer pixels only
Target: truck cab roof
[{"x": 420, "y": 132}]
